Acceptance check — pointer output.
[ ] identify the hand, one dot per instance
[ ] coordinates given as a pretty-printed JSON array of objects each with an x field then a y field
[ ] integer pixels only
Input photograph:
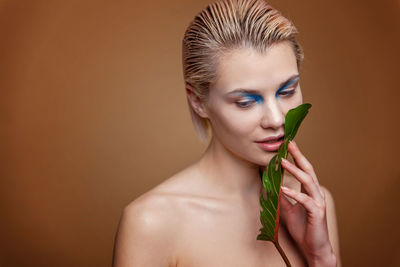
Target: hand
[{"x": 306, "y": 219}]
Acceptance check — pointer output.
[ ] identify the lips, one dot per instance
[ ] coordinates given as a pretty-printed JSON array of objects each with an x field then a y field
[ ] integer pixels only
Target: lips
[
  {"x": 271, "y": 143},
  {"x": 271, "y": 139}
]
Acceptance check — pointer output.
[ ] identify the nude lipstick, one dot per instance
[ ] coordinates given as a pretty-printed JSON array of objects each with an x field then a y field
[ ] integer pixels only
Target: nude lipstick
[{"x": 271, "y": 143}]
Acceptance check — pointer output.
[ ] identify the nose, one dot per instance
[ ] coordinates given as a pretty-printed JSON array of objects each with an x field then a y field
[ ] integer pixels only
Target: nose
[{"x": 273, "y": 116}]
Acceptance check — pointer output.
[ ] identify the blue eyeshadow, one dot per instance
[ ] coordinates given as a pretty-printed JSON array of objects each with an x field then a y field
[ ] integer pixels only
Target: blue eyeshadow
[
  {"x": 254, "y": 97},
  {"x": 286, "y": 85}
]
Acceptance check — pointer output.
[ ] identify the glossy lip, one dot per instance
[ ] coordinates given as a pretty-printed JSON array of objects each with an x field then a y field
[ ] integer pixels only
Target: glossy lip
[
  {"x": 270, "y": 146},
  {"x": 270, "y": 138}
]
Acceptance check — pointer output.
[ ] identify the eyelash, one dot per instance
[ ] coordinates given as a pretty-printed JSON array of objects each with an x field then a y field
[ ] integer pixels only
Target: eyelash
[
  {"x": 288, "y": 93},
  {"x": 246, "y": 104}
]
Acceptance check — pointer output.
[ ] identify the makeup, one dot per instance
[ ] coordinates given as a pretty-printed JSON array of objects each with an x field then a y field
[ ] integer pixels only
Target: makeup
[
  {"x": 271, "y": 146},
  {"x": 288, "y": 83},
  {"x": 248, "y": 99},
  {"x": 256, "y": 94}
]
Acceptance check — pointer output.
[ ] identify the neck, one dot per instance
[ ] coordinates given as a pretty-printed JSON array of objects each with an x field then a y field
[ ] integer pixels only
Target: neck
[{"x": 230, "y": 175}]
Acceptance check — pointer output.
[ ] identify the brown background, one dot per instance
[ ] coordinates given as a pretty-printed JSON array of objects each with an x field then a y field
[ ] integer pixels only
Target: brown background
[{"x": 93, "y": 114}]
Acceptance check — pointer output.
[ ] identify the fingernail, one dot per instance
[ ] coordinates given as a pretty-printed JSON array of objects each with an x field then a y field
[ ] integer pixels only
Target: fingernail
[
  {"x": 283, "y": 160},
  {"x": 284, "y": 188}
]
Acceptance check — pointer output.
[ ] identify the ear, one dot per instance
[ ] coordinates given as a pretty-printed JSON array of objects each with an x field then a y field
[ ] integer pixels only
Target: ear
[{"x": 195, "y": 101}]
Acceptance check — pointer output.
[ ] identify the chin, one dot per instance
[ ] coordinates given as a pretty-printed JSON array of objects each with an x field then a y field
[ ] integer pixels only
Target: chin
[{"x": 265, "y": 158}]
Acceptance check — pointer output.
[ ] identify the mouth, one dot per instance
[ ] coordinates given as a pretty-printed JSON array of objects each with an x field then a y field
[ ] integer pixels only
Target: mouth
[
  {"x": 272, "y": 139},
  {"x": 271, "y": 143}
]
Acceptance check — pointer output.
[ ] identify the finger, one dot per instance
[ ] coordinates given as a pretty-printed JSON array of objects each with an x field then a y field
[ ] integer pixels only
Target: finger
[
  {"x": 304, "y": 178},
  {"x": 307, "y": 202},
  {"x": 302, "y": 162}
]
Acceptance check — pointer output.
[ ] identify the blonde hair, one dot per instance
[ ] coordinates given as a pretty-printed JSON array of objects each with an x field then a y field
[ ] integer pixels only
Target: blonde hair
[{"x": 223, "y": 26}]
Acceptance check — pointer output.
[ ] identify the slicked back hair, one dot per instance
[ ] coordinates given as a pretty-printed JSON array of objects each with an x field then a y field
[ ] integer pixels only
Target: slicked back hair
[{"x": 223, "y": 26}]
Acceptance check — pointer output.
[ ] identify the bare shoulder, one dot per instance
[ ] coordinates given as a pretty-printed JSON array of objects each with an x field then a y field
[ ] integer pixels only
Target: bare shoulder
[
  {"x": 330, "y": 206},
  {"x": 152, "y": 226},
  {"x": 332, "y": 222},
  {"x": 328, "y": 196},
  {"x": 152, "y": 212},
  {"x": 147, "y": 231}
]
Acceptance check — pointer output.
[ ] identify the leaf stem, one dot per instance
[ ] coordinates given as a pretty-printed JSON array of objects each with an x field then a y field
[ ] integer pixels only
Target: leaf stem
[{"x": 283, "y": 255}]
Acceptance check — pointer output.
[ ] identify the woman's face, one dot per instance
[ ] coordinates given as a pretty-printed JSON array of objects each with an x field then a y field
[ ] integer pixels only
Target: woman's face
[{"x": 250, "y": 98}]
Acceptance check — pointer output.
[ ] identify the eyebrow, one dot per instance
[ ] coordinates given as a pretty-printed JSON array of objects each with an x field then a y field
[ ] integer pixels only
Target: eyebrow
[{"x": 282, "y": 86}]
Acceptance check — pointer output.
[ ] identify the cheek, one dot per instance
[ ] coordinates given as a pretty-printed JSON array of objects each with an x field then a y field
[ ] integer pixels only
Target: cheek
[
  {"x": 295, "y": 101},
  {"x": 237, "y": 122}
]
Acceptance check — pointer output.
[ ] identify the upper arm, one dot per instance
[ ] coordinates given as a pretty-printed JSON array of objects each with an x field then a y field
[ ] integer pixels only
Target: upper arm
[
  {"x": 332, "y": 223},
  {"x": 145, "y": 235}
]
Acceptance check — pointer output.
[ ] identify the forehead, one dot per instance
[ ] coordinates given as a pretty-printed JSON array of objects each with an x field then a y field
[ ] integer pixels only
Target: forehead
[{"x": 247, "y": 68}]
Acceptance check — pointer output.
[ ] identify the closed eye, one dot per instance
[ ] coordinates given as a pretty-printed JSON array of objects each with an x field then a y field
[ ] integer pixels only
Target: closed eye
[
  {"x": 249, "y": 100},
  {"x": 245, "y": 104},
  {"x": 292, "y": 83},
  {"x": 287, "y": 92}
]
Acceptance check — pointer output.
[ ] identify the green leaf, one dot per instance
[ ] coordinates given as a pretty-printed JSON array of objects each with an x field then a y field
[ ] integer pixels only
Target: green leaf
[
  {"x": 272, "y": 179},
  {"x": 293, "y": 119}
]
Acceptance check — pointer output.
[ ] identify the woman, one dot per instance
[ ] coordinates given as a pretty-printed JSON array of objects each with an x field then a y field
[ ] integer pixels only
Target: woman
[{"x": 241, "y": 67}]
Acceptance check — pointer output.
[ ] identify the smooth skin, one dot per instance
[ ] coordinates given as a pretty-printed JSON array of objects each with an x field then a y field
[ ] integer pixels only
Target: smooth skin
[
  {"x": 306, "y": 219},
  {"x": 209, "y": 213}
]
